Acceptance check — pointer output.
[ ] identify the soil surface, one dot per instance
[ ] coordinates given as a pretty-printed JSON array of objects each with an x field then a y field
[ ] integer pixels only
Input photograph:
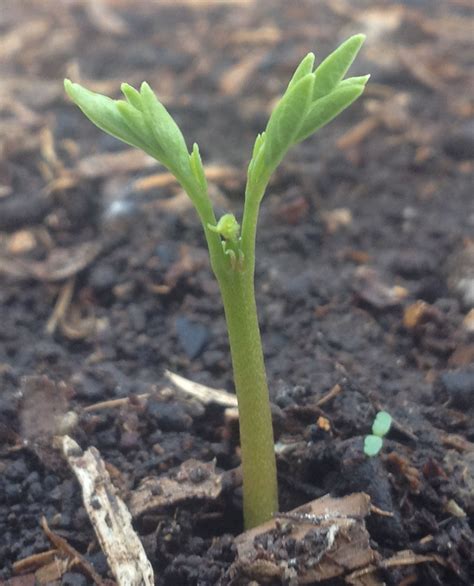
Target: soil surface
[{"x": 365, "y": 278}]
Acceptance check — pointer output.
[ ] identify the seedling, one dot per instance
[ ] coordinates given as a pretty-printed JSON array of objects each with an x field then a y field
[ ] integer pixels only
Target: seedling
[
  {"x": 312, "y": 99},
  {"x": 380, "y": 427}
]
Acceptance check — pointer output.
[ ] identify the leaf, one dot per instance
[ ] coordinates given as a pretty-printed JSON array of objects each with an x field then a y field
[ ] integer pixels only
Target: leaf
[
  {"x": 286, "y": 119},
  {"x": 132, "y": 95},
  {"x": 382, "y": 423},
  {"x": 103, "y": 112},
  {"x": 134, "y": 121},
  {"x": 305, "y": 67},
  {"x": 361, "y": 80},
  {"x": 372, "y": 445},
  {"x": 197, "y": 167},
  {"x": 334, "y": 67},
  {"x": 325, "y": 109},
  {"x": 256, "y": 168},
  {"x": 166, "y": 132},
  {"x": 258, "y": 144}
]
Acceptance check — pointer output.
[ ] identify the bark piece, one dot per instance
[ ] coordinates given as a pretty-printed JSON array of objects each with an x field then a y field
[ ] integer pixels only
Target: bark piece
[
  {"x": 109, "y": 516},
  {"x": 192, "y": 480},
  {"x": 318, "y": 541}
]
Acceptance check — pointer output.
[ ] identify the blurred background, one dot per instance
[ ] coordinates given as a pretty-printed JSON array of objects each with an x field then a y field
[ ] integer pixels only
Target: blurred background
[{"x": 89, "y": 226}]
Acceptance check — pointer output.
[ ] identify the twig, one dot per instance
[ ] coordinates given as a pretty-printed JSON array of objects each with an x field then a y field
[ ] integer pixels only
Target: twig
[
  {"x": 71, "y": 553},
  {"x": 32, "y": 562},
  {"x": 201, "y": 392},
  {"x": 381, "y": 512},
  {"x": 336, "y": 389},
  {"x": 113, "y": 403},
  {"x": 62, "y": 304}
]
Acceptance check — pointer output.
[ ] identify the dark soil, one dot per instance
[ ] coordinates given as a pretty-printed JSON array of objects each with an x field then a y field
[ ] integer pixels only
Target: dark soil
[{"x": 365, "y": 273}]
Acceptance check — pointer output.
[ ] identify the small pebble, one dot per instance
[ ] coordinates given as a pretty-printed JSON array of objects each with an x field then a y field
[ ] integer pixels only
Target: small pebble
[
  {"x": 103, "y": 278},
  {"x": 169, "y": 416},
  {"x": 73, "y": 579},
  {"x": 192, "y": 336},
  {"x": 459, "y": 144},
  {"x": 459, "y": 385},
  {"x": 460, "y": 267}
]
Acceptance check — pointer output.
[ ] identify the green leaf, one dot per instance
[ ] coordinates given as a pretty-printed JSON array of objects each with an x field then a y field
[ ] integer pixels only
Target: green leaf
[
  {"x": 197, "y": 167},
  {"x": 334, "y": 67},
  {"x": 286, "y": 120},
  {"x": 325, "y": 109},
  {"x": 103, "y": 112},
  {"x": 372, "y": 445},
  {"x": 305, "y": 67},
  {"x": 227, "y": 227},
  {"x": 256, "y": 170},
  {"x": 361, "y": 80},
  {"x": 133, "y": 119},
  {"x": 382, "y": 423},
  {"x": 132, "y": 95},
  {"x": 258, "y": 144},
  {"x": 166, "y": 132}
]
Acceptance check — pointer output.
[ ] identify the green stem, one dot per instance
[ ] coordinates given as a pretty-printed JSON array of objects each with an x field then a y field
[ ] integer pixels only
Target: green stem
[
  {"x": 256, "y": 433},
  {"x": 260, "y": 498},
  {"x": 254, "y": 193}
]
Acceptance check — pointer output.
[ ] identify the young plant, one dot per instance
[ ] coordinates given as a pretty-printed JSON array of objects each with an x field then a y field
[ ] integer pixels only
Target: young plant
[
  {"x": 381, "y": 426},
  {"x": 312, "y": 99}
]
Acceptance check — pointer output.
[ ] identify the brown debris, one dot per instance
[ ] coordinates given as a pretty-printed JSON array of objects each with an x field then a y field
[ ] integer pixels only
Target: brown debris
[
  {"x": 402, "y": 558},
  {"x": 429, "y": 327},
  {"x": 402, "y": 468},
  {"x": 333, "y": 392},
  {"x": 74, "y": 557},
  {"x": 61, "y": 263},
  {"x": 62, "y": 305},
  {"x": 214, "y": 173},
  {"x": 26, "y": 580},
  {"x": 44, "y": 408},
  {"x": 323, "y": 539},
  {"x": 293, "y": 210},
  {"x": 35, "y": 561},
  {"x": 105, "y": 19},
  {"x": 192, "y": 480},
  {"x": 24, "y": 35},
  {"x": 202, "y": 393},
  {"x": 267, "y": 34},
  {"x": 21, "y": 242},
  {"x": 370, "y": 289},
  {"x": 235, "y": 78},
  {"x": 107, "y": 164}
]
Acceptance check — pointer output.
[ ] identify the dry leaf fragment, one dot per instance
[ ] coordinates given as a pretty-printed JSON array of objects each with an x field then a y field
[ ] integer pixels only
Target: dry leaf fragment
[
  {"x": 318, "y": 541},
  {"x": 192, "y": 480}
]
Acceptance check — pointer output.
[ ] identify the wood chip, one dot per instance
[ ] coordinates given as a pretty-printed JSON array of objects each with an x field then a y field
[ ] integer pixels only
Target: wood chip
[
  {"x": 402, "y": 558},
  {"x": 109, "y": 516},
  {"x": 192, "y": 480},
  {"x": 332, "y": 536}
]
